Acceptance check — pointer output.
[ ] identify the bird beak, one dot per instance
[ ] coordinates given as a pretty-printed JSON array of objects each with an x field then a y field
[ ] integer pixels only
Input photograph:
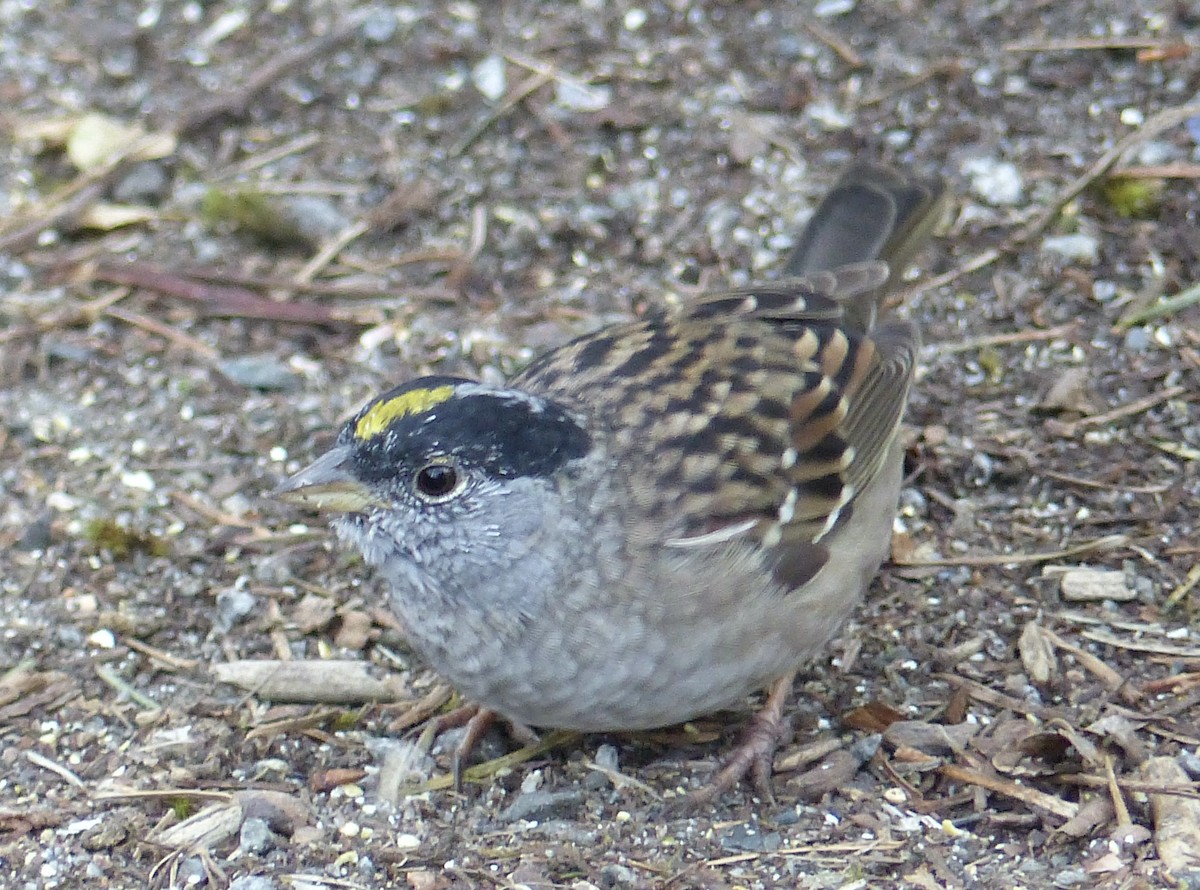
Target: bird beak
[{"x": 326, "y": 485}]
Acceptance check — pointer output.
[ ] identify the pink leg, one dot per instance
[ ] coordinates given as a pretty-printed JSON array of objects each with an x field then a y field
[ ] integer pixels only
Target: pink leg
[
  {"x": 755, "y": 752},
  {"x": 477, "y": 720}
]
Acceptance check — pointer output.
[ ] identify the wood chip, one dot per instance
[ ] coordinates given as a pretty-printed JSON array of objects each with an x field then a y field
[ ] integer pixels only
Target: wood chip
[
  {"x": 810, "y": 752},
  {"x": 355, "y": 630},
  {"x": 931, "y": 738},
  {"x": 1068, "y": 393},
  {"x": 1143, "y": 645},
  {"x": 1088, "y": 585},
  {"x": 832, "y": 773},
  {"x": 1112, "y": 680},
  {"x": 328, "y": 779},
  {"x": 874, "y": 716},
  {"x": 1037, "y": 653},
  {"x": 313, "y": 612},
  {"x": 1038, "y": 800},
  {"x": 1095, "y": 811},
  {"x": 1124, "y": 732},
  {"x": 331, "y": 682},
  {"x": 1176, "y": 820}
]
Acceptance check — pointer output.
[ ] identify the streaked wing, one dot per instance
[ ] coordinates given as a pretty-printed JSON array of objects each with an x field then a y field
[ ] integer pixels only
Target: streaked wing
[{"x": 759, "y": 411}]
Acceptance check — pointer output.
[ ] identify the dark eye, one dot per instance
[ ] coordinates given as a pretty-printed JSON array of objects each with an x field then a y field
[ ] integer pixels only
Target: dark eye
[{"x": 437, "y": 480}]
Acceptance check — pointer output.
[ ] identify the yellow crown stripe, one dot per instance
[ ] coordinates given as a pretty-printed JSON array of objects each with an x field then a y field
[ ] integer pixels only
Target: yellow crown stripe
[{"x": 379, "y": 416}]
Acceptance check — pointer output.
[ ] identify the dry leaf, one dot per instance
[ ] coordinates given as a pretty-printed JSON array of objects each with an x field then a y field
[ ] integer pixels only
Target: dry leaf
[
  {"x": 105, "y": 217},
  {"x": 97, "y": 140},
  {"x": 313, "y": 612},
  {"x": 832, "y": 773},
  {"x": 1068, "y": 394},
  {"x": 932, "y": 738},
  {"x": 874, "y": 716},
  {"x": 355, "y": 630}
]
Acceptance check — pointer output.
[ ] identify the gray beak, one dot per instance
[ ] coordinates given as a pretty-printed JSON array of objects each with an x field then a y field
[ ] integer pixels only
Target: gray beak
[{"x": 326, "y": 485}]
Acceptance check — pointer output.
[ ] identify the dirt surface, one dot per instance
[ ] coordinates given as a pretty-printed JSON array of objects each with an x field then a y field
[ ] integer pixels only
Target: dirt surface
[{"x": 996, "y": 716}]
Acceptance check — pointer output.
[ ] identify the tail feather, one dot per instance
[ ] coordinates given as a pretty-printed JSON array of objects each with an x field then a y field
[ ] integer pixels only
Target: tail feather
[{"x": 871, "y": 213}]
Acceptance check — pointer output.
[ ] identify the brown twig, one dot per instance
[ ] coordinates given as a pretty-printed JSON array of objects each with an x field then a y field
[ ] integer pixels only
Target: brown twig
[
  {"x": 519, "y": 94},
  {"x": 1084, "y": 44},
  {"x": 235, "y": 102},
  {"x": 168, "y": 333},
  {"x": 166, "y": 659},
  {"x": 1160, "y": 122},
  {"x": 1104, "y": 486},
  {"x": 1112, "y": 680},
  {"x": 326, "y": 288},
  {"x": 1118, "y": 799},
  {"x": 1162, "y": 171},
  {"x": 219, "y": 300},
  {"x": 1131, "y": 786},
  {"x": 844, "y": 50},
  {"x": 66, "y": 205},
  {"x": 1192, "y": 579},
  {"x": 1003, "y": 559},
  {"x": 1024, "y": 793},
  {"x": 1137, "y": 406},
  {"x": 1134, "y": 646},
  {"x": 1154, "y": 126},
  {"x": 1014, "y": 337},
  {"x": 987, "y": 695}
]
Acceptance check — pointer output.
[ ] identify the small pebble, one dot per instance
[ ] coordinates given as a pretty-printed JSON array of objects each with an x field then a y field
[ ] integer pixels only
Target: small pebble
[
  {"x": 827, "y": 9},
  {"x": 36, "y": 535},
  {"x": 539, "y": 806},
  {"x": 139, "y": 480},
  {"x": 747, "y": 837},
  {"x": 102, "y": 638},
  {"x": 606, "y": 756},
  {"x": 1076, "y": 248},
  {"x": 264, "y": 372},
  {"x": 490, "y": 78},
  {"x": 379, "y": 25},
  {"x": 256, "y": 836},
  {"x": 996, "y": 182},
  {"x": 232, "y": 606},
  {"x": 1137, "y": 339},
  {"x": 146, "y": 183},
  {"x": 253, "y": 882},
  {"x": 583, "y": 97},
  {"x": 192, "y": 872},
  {"x": 406, "y": 842},
  {"x": 634, "y": 19},
  {"x": 619, "y": 876}
]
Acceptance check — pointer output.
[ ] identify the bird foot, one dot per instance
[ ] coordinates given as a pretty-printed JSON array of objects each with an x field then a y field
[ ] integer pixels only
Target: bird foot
[
  {"x": 754, "y": 754},
  {"x": 477, "y": 720}
]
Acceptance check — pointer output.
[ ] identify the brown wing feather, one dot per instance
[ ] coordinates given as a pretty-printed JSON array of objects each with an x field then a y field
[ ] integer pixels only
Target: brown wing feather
[{"x": 764, "y": 414}]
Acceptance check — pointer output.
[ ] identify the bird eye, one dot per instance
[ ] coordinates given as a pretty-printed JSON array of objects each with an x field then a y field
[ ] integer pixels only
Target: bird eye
[{"x": 437, "y": 481}]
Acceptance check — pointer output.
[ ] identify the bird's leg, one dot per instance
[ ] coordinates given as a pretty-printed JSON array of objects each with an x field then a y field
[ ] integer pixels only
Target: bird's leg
[
  {"x": 477, "y": 720},
  {"x": 755, "y": 752},
  {"x": 477, "y": 725}
]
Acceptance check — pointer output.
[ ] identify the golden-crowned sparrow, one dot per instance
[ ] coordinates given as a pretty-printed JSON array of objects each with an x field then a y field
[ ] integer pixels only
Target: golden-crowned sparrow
[{"x": 663, "y": 516}]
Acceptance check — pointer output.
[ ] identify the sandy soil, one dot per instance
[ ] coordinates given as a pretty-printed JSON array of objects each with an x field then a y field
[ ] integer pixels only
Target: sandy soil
[{"x": 451, "y": 187}]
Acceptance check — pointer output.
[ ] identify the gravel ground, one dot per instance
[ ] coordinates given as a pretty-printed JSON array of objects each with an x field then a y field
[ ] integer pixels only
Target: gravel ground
[{"x": 333, "y": 198}]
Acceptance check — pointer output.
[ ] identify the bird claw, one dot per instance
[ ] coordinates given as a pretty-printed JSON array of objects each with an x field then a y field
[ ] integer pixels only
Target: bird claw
[
  {"x": 754, "y": 754},
  {"x": 477, "y": 720}
]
